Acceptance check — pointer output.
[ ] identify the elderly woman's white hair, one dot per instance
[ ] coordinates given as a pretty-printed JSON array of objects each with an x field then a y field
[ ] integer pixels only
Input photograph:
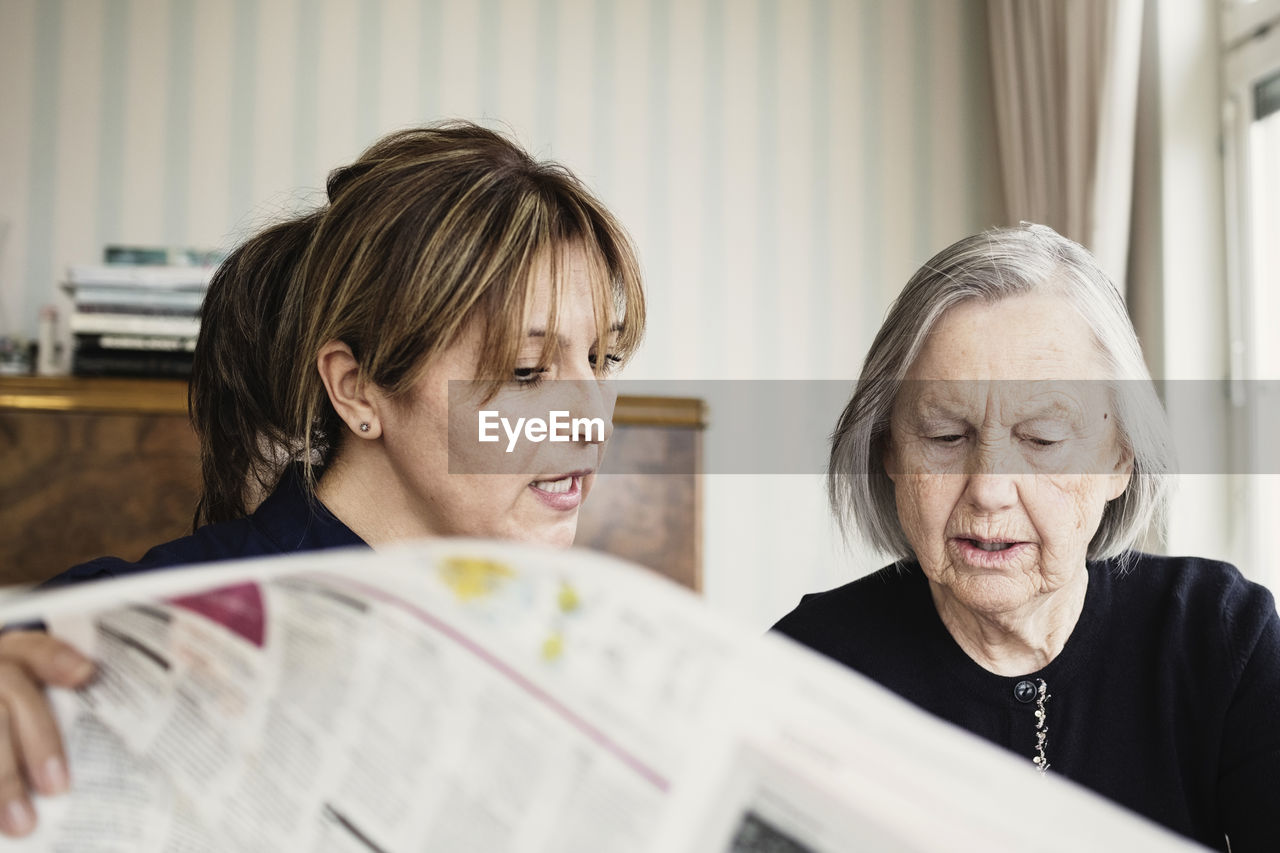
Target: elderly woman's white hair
[{"x": 989, "y": 267}]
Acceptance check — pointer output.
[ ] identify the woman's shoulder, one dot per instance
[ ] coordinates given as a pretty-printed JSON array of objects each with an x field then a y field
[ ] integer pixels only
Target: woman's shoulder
[
  {"x": 1200, "y": 599},
  {"x": 222, "y": 541},
  {"x": 1198, "y": 582},
  {"x": 862, "y": 606},
  {"x": 287, "y": 521},
  {"x": 892, "y": 581}
]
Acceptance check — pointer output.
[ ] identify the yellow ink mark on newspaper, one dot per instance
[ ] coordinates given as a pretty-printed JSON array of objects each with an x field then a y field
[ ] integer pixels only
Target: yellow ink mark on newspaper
[
  {"x": 553, "y": 646},
  {"x": 471, "y": 578},
  {"x": 568, "y": 600}
]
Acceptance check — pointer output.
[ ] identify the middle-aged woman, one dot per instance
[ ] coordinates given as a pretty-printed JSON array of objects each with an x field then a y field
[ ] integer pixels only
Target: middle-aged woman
[
  {"x": 326, "y": 378},
  {"x": 1005, "y": 443}
]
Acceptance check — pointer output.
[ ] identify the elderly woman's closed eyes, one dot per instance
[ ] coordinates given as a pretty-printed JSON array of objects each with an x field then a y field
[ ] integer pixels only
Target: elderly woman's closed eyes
[{"x": 1006, "y": 444}]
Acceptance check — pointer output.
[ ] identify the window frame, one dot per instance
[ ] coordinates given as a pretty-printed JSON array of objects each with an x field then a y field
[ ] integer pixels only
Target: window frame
[
  {"x": 1242, "y": 18},
  {"x": 1250, "y": 55}
]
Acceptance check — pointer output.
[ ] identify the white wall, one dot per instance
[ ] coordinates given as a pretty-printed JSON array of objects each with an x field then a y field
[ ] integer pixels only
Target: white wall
[{"x": 783, "y": 164}]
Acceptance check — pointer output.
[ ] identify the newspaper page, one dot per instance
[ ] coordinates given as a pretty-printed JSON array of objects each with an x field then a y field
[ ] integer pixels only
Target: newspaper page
[{"x": 475, "y": 696}]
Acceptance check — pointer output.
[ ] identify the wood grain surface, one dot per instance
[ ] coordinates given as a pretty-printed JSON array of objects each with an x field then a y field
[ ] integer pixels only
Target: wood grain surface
[{"x": 90, "y": 467}]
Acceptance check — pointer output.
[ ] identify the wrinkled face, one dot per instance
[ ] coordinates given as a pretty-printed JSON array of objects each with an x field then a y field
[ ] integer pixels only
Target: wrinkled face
[
  {"x": 475, "y": 488},
  {"x": 1004, "y": 451}
]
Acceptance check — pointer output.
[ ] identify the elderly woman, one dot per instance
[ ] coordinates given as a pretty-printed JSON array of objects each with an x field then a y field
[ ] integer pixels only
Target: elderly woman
[{"x": 1005, "y": 443}]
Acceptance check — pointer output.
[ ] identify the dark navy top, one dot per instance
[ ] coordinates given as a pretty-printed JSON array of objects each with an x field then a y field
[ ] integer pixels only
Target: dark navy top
[
  {"x": 285, "y": 522},
  {"x": 1165, "y": 698}
]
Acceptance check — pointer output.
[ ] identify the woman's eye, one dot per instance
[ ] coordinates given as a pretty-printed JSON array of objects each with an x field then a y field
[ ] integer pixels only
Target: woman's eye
[
  {"x": 610, "y": 361},
  {"x": 950, "y": 439},
  {"x": 1043, "y": 442},
  {"x": 529, "y": 375}
]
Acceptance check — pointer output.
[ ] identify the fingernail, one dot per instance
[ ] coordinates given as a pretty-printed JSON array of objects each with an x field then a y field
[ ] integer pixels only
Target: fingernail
[
  {"x": 18, "y": 817},
  {"x": 75, "y": 665},
  {"x": 53, "y": 776}
]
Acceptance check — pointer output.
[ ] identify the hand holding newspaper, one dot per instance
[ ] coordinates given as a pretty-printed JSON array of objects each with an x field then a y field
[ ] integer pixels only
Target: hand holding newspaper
[{"x": 476, "y": 696}]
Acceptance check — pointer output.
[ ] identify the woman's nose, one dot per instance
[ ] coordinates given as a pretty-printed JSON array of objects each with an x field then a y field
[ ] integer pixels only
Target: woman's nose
[
  {"x": 992, "y": 477},
  {"x": 588, "y": 402},
  {"x": 594, "y": 401}
]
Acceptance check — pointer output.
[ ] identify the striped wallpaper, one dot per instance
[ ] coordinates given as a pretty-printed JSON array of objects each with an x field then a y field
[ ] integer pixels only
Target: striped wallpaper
[{"x": 783, "y": 164}]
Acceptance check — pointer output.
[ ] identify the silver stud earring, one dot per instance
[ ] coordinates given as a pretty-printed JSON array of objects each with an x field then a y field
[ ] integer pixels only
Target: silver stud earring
[{"x": 364, "y": 427}]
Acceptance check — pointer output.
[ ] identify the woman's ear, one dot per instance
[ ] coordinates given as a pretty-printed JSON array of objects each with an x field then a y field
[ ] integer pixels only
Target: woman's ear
[
  {"x": 1121, "y": 474},
  {"x": 340, "y": 373},
  {"x": 889, "y": 459}
]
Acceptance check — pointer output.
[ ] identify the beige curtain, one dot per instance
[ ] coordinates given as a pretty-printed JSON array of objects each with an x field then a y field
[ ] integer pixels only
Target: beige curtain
[{"x": 1065, "y": 74}]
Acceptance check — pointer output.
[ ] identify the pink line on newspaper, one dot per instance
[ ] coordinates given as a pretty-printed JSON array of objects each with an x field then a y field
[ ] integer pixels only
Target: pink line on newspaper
[
  {"x": 648, "y": 773},
  {"x": 239, "y": 607}
]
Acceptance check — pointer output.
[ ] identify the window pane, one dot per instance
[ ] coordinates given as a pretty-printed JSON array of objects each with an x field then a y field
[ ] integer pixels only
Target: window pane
[
  {"x": 1264, "y": 156},
  {"x": 1264, "y": 296},
  {"x": 1266, "y": 97}
]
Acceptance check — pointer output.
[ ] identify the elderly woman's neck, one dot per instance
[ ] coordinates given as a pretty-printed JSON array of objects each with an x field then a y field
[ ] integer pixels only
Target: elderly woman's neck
[{"x": 1015, "y": 642}]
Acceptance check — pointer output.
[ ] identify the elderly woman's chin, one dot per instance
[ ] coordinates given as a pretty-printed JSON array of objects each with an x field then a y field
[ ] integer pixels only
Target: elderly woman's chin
[
  {"x": 995, "y": 590},
  {"x": 1007, "y": 562}
]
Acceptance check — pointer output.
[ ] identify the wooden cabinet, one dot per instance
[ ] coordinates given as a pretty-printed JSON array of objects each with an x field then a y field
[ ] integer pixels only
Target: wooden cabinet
[{"x": 110, "y": 466}]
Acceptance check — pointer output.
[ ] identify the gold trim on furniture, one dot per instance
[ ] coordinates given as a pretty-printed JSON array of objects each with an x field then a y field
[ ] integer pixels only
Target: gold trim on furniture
[{"x": 169, "y": 396}]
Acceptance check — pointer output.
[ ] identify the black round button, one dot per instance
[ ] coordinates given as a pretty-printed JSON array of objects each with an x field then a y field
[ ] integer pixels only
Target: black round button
[{"x": 1024, "y": 691}]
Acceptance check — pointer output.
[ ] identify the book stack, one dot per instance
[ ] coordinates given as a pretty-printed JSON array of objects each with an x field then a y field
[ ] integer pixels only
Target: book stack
[{"x": 135, "y": 319}]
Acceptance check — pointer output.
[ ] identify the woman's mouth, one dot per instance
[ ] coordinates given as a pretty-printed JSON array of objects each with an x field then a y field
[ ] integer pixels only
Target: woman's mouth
[
  {"x": 556, "y": 487},
  {"x": 989, "y": 553},
  {"x": 563, "y": 492}
]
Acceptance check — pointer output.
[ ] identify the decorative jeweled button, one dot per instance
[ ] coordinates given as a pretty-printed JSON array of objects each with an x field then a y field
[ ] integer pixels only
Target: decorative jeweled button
[{"x": 1024, "y": 691}]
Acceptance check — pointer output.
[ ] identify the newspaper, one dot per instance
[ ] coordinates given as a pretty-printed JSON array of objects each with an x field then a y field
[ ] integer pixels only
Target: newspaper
[{"x": 474, "y": 696}]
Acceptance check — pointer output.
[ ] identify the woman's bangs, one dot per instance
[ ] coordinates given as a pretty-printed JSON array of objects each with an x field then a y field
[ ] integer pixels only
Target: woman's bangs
[{"x": 617, "y": 293}]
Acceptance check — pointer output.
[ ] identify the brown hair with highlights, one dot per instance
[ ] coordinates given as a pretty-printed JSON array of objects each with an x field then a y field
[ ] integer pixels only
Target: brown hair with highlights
[{"x": 429, "y": 230}]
